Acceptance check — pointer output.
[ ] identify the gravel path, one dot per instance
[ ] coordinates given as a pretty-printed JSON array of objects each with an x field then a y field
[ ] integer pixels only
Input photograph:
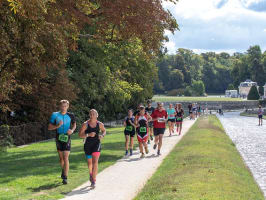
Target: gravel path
[
  {"x": 250, "y": 140},
  {"x": 123, "y": 180}
]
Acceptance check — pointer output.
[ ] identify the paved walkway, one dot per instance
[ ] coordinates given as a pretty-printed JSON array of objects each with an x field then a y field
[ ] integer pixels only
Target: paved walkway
[
  {"x": 123, "y": 180},
  {"x": 250, "y": 140}
]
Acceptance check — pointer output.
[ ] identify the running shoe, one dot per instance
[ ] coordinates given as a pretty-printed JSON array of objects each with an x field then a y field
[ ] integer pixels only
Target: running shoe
[
  {"x": 146, "y": 150},
  {"x": 93, "y": 184},
  {"x": 126, "y": 153},
  {"x": 154, "y": 146},
  {"x": 158, "y": 153},
  {"x": 91, "y": 179},
  {"x": 131, "y": 152},
  {"x": 151, "y": 138},
  {"x": 142, "y": 155},
  {"x": 64, "y": 181}
]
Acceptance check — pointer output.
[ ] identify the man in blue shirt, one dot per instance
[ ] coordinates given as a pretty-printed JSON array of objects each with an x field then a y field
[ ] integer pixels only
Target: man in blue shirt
[{"x": 65, "y": 124}]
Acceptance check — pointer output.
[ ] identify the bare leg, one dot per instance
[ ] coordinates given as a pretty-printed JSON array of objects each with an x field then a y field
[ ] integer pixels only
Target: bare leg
[
  {"x": 127, "y": 141},
  {"x": 140, "y": 147},
  {"x": 131, "y": 142},
  {"x": 180, "y": 128},
  {"x": 90, "y": 165},
  {"x": 95, "y": 159},
  {"x": 61, "y": 158},
  {"x": 66, "y": 161},
  {"x": 160, "y": 141},
  {"x": 169, "y": 125}
]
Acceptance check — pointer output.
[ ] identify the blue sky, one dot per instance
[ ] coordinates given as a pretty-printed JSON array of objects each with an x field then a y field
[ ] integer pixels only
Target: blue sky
[{"x": 218, "y": 25}]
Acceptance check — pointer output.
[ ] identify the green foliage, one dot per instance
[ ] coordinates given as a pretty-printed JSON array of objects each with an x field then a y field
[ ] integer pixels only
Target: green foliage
[
  {"x": 110, "y": 77},
  {"x": 198, "y": 88},
  {"x": 218, "y": 72},
  {"x": 230, "y": 87},
  {"x": 6, "y": 139},
  {"x": 261, "y": 90},
  {"x": 188, "y": 91},
  {"x": 253, "y": 93}
]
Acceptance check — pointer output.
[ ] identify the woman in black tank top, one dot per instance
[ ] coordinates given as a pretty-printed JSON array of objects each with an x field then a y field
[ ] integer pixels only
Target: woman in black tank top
[{"x": 90, "y": 131}]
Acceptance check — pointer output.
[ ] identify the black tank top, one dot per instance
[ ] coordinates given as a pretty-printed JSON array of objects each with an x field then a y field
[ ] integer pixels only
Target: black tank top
[{"x": 90, "y": 130}]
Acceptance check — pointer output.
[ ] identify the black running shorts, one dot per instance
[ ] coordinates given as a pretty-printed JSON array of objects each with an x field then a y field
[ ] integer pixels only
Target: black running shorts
[{"x": 158, "y": 131}]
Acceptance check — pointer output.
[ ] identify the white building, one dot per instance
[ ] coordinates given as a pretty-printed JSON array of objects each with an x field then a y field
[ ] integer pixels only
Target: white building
[
  {"x": 245, "y": 87},
  {"x": 231, "y": 93}
]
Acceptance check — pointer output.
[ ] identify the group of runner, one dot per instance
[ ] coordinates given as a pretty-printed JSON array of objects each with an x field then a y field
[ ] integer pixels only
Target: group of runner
[
  {"x": 92, "y": 131},
  {"x": 194, "y": 111},
  {"x": 149, "y": 123}
]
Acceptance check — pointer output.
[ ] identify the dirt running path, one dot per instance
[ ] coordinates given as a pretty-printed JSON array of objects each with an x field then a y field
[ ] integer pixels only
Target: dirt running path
[{"x": 123, "y": 180}]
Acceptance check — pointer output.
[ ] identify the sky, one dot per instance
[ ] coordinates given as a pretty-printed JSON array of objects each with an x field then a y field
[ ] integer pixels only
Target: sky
[{"x": 218, "y": 25}]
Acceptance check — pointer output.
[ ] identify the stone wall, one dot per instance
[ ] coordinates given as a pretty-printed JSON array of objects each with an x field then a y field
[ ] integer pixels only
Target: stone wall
[{"x": 214, "y": 105}]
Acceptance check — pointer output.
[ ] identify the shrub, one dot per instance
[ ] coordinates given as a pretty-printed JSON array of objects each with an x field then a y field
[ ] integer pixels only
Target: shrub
[
  {"x": 176, "y": 92},
  {"x": 188, "y": 91},
  {"x": 6, "y": 139},
  {"x": 253, "y": 93}
]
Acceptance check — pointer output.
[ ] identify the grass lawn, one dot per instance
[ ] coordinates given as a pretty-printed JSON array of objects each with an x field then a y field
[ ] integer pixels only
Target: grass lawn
[
  {"x": 205, "y": 165},
  {"x": 157, "y": 98},
  {"x": 250, "y": 115},
  {"x": 33, "y": 172}
]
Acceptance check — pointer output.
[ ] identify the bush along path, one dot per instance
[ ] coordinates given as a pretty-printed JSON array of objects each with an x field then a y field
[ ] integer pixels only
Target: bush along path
[
  {"x": 204, "y": 165},
  {"x": 125, "y": 179}
]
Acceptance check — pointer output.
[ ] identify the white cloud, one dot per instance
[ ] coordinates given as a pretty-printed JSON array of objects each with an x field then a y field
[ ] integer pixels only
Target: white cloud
[{"x": 217, "y": 25}]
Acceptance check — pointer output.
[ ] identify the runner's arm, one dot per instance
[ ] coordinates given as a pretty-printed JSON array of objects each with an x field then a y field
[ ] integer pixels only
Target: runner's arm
[
  {"x": 82, "y": 130},
  {"x": 71, "y": 131},
  {"x": 52, "y": 127},
  {"x": 103, "y": 130}
]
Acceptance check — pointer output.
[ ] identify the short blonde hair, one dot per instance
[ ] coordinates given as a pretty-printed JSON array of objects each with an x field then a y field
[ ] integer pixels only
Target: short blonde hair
[
  {"x": 64, "y": 101},
  {"x": 93, "y": 110}
]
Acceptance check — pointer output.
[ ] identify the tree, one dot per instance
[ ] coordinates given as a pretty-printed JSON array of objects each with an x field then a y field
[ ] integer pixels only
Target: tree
[
  {"x": 253, "y": 93},
  {"x": 198, "y": 88},
  {"x": 230, "y": 87}
]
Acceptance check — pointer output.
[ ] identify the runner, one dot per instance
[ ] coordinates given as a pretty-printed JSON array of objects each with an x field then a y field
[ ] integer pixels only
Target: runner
[
  {"x": 190, "y": 111},
  {"x": 179, "y": 118},
  {"x": 199, "y": 110},
  {"x": 149, "y": 109},
  {"x": 90, "y": 131},
  {"x": 141, "y": 122},
  {"x": 138, "y": 109},
  {"x": 171, "y": 119},
  {"x": 65, "y": 124},
  {"x": 260, "y": 115},
  {"x": 129, "y": 131},
  {"x": 194, "y": 111},
  {"x": 159, "y": 117}
]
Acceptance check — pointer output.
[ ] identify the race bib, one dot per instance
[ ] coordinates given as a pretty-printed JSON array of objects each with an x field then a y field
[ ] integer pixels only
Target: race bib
[
  {"x": 161, "y": 120},
  {"x": 129, "y": 128},
  {"x": 179, "y": 119},
  {"x": 172, "y": 115},
  {"x": 143, "y": 129},
  {"x": 63, "y": 138}
]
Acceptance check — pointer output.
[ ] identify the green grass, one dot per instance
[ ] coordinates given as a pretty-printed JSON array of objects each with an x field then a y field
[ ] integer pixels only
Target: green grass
[
  {"x": 250, "y": 115},
  {"x": 205, "y": 165},
  {"x": 192, "y": 99},
  {"x": 33, "y": 172}
]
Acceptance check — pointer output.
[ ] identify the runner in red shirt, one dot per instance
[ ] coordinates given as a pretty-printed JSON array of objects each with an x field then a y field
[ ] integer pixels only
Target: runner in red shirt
[{"x": 159, "y": 117}]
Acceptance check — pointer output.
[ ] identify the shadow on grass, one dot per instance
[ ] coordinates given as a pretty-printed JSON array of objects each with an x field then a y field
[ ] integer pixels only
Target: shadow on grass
[
  {"x": 27, "y": 163},
  {"x": 44, "y": 187}
]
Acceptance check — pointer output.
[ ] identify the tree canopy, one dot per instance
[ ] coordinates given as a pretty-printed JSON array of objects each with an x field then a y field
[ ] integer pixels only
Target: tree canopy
[{"x": 111, "y": 44}]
